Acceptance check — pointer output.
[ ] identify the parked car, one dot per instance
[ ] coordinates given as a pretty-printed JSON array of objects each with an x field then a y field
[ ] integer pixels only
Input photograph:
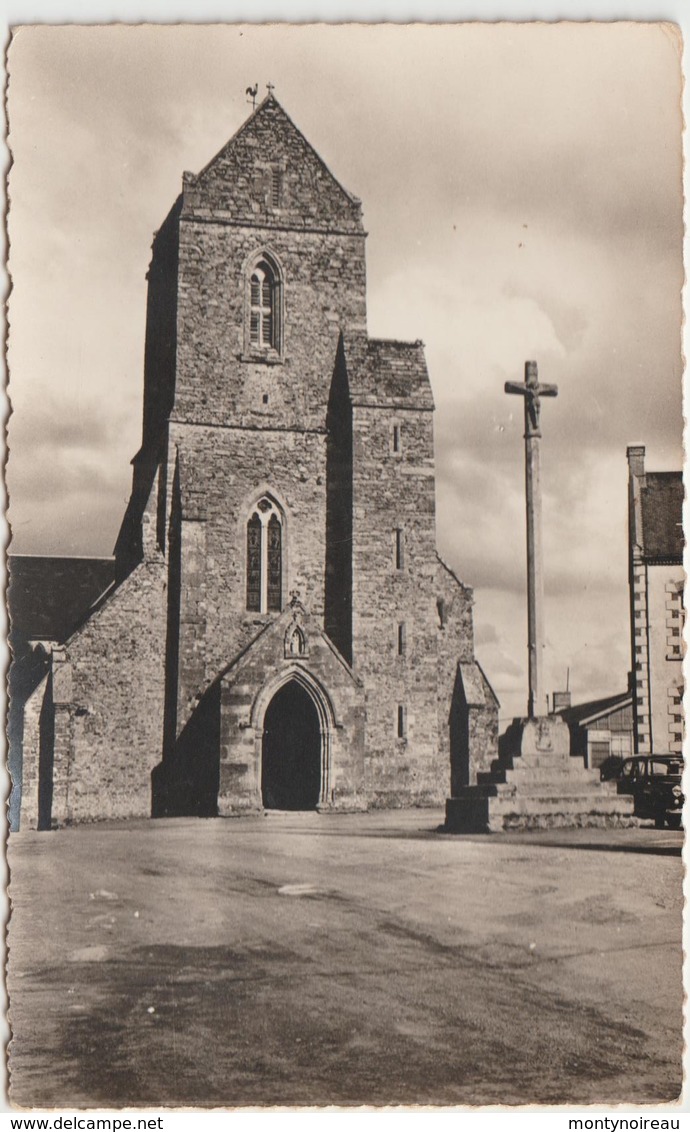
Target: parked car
[{"x": 655, "y": 784}]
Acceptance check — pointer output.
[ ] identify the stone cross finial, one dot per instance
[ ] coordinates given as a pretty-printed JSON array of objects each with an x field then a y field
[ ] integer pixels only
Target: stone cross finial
[
  {"x": 532, "y": 392},
  {"x": 270, "y": 88}
]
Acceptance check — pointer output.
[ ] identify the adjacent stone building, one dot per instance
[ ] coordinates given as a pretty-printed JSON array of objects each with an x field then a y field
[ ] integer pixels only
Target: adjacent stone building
[
  {"x": 279, "y": 631},
  {"x": 655, "y": 549}
]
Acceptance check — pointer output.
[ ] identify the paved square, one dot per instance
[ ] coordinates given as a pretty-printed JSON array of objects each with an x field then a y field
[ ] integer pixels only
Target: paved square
[{"x": 361, "y": 959}]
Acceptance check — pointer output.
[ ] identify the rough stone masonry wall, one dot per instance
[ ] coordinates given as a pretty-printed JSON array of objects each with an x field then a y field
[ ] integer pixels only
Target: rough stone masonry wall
[
  {"x": 108, "y": 693},
  {"x": 219, "y": 379},
  {"x": 338, "y": 581},
  {"x": 246, "y": 692},
  {"x": 483, "y": 734},
  {"x": 455, "y": 644},
  {"x": 396, "y": 491},
  {"x": 36, "y": 708},
  {"x": 223, "y": 473},
  {"x": 237, "y": 182}
]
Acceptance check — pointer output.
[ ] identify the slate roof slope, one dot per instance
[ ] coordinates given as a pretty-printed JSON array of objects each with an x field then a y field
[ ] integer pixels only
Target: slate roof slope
[
  {"x": 48, "y": 597},
  {"x": 236, "y": 183},
  {"x": 662, "y": 517},
  {"x": 386, "y": 372},
  {"x": 594, "y": 708}
]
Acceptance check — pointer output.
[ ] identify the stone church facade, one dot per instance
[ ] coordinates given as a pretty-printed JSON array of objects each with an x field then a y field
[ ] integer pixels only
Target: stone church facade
[{"x": 279, "y": 631}]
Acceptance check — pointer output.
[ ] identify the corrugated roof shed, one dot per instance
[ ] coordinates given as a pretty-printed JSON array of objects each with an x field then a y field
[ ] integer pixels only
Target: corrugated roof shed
[
  {"x": 662, "y": 516},
  {"x": 597, "y": 708}
]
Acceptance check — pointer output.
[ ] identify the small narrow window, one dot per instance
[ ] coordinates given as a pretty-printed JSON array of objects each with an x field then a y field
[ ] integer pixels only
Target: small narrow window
[
  {"x": 276, "y": 186},
  {"x": 396, "y": 440},
  {"x": 401, "y": 638},
  {"x": 399, "y": 549},
  {"x": 402, "y": 721}
]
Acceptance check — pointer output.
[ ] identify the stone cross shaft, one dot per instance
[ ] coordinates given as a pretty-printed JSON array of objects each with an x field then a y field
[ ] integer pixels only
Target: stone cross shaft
[{"x": 532, "y": 391}]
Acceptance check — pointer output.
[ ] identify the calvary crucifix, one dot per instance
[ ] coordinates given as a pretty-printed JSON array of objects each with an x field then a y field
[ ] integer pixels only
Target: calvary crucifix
[{"x": 532, "y": 391}]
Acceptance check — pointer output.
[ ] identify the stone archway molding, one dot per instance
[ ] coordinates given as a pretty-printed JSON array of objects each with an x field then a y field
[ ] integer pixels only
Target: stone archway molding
[{"x": 324, "y": 709}]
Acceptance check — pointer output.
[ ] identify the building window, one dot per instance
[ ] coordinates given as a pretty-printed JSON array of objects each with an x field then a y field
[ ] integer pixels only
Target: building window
[
  {"x": 599, "y": 751},
  {"x": 399, "y": 549},
  {"x": 402, "y": 722},
  {"x": 262, "y": 317},
  {"x": 265, "y": 558},
  {"x": 402, "y": 639},
  {"x": 264, "y": 303},
  {"x": 276, "y": 188},
  {"x": 254, "y": 564}
]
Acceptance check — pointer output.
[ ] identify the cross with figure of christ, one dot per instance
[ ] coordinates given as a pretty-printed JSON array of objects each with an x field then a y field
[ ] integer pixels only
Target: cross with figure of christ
[{"x": 532, "y": 391}]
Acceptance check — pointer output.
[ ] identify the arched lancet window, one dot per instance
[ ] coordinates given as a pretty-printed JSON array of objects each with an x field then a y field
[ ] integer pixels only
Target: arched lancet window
[
  {"x": 265, "y": 558},
  {"x": 264, "y": 306}
]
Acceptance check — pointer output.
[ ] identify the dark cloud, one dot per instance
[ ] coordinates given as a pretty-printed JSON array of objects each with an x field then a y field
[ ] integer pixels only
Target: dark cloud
[
  {"x": 58, "y": 426},
  {"x": 521, "y": 187}
]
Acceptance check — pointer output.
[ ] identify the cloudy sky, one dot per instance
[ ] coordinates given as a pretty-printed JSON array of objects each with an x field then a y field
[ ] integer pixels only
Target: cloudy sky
[{"x": 521, "y": 190}]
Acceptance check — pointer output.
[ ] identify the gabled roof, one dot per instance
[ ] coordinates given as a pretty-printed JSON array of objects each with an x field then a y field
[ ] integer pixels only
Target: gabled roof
[
  {"x": 595, "y": 709},
  {"x": 475, "y": 684},
  {"x": 662, "y": 516},
  {"x": 236, "y": 184},
  {"x": 385, "y": 372},
  {"x": 48, "y": 597}
]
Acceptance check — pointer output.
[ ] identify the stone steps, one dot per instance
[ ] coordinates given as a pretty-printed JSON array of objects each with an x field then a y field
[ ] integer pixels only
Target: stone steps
[
  {"x": 540, "y": 787},
  {"x": 475, "y": 812},
  {"x": 540, "y": 761},
  {"x": 524, "y": 775},
  {"x": 553, "y": 789},
  {"x": 572, "y": 803}
]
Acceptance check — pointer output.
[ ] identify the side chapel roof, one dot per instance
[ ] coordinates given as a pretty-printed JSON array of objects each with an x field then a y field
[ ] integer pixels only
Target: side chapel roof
[
  {"x": 48, "y": 597},
  {"x": 385, "y": 372}
]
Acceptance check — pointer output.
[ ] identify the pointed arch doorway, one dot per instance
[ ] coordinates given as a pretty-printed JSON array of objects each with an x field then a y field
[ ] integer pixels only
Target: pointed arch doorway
[{"x": 291, "y": 750}]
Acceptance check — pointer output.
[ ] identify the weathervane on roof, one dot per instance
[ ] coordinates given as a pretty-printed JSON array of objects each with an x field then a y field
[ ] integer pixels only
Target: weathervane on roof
[{"x": 252, "y": 91}]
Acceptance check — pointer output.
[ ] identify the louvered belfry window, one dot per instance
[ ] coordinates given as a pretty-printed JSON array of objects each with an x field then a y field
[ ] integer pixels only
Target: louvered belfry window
[
  {"x": 265, "y": 558},
  {"x": 276, "y": 187},
  {"x": 263, "y": 318}
]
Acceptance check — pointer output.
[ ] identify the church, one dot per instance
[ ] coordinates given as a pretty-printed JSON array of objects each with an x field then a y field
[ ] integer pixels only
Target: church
[{"x": 275, "y": 629}]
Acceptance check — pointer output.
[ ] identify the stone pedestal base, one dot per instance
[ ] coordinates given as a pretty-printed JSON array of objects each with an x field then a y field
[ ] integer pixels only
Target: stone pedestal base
[{"x": 537, "y": 784}]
